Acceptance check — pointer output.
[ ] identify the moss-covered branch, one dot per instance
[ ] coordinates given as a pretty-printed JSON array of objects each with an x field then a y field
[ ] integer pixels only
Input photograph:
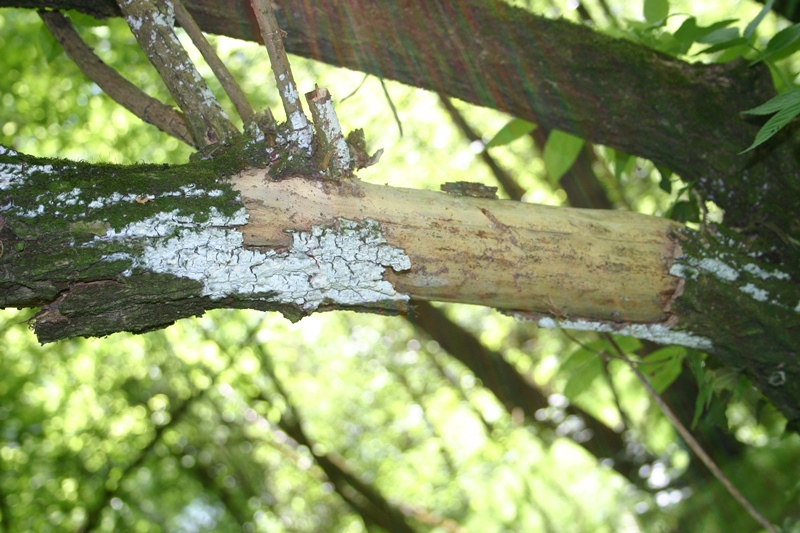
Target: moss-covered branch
[{"x": 105, "y": 248}]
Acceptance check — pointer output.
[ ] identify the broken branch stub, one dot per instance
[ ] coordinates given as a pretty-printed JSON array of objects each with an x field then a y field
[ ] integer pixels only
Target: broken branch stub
[{"x": 334, "y": 153}]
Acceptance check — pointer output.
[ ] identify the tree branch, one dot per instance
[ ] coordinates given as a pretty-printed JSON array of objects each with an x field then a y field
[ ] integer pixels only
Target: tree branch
[
  {"x": 301, "y": 133},
  {"x": 222, "y": 73},
  {"x": 109, "y": 80},
  {"x": 152, "y": 24},
  {"x": 559, "y": 75}
]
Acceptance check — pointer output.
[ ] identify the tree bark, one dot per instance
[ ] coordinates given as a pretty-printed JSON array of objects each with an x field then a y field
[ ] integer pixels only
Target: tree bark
[
  {"x": 683, "y": 116},
  {"x": 106, "y": 248},
  {"x": 735, "y": 295}
]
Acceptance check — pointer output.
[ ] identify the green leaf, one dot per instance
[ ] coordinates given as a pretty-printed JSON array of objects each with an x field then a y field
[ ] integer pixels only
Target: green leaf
[
  {"x": 663, "y": 366},
  {"x": 778, "y": 103},
  {"x": 725, "y": 45},
  {"x": 751, "y": 27},
  {"x": 513, "y": 130},
  {"x": 691, "y": 32},
  {"x": 787, "y": 106},
  {"x": 684, "y": 211},
  {"x": 722, "y": 35},
  {"x": 583, "y": 367},
  {"x": 621, "y": 160},
  {"x": 781, "y": 41},
  {"x": 704, "y": 384},
  {"x": 656, "y": 10},
  {"x": 560, "y": 153},
  {"x": 665, "y": 184}
]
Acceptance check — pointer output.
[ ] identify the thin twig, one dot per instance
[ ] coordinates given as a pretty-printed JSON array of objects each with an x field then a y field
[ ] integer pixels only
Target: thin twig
[
  {"x": 391, "y": 106},
  {"x": 271, "y": 34},
  {"x": 109, "y": 80},
  {"x": 354, "y": 91},
  {"x": 219, "y": 69},
  {"x": 694, "y": 445},
  {"x": 152, "y": 24}
]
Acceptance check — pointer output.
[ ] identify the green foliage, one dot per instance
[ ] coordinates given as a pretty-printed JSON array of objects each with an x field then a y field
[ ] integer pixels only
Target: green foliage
[
  {"x": 655, "y": 10},
  {"x": 582, "y": 367},
  {"x": 663, "y": 366},
  {"x": 560, "y": 153},
  {"x": 786, "y": 106},
  {"x": 107, "y": 429},
  {"x": 783, "y": 43},
  {"x": 511, "y": 131}
]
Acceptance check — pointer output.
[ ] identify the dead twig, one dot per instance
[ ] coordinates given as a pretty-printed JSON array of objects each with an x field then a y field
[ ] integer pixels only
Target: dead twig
[
  {"x": 112, "y": 83},
  {"x": 152, "y": 23},
  {"x": 301, "y": 133},
  {"x": 219, "y": 69}
]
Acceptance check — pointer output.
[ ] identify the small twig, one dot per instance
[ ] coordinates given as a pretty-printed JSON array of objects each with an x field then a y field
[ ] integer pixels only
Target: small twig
[
  {"x": 109, "y": 80},
  {"x": 219, "y": 69},
  {"x": 694, "y": 445},
  {"x": 354, "y": 91},
  {"x": 152, "y": 24},
  {"x": 271, "y": 34},
  {"x": 391, "y": 106}
]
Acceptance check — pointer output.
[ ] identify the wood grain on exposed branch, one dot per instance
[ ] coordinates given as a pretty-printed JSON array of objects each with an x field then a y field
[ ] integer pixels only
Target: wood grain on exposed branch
[{"x": 558, "y": 75}]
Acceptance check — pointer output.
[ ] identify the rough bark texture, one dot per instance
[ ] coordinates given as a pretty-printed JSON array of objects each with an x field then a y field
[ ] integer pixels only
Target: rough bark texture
[
  {"x": 611, "y": 265},
  {"x": 683, "y": 116},
  {"x": 105, "y": 248},
  {"x": 75, "y": 234},
  {"x": 741, "y": 297}
]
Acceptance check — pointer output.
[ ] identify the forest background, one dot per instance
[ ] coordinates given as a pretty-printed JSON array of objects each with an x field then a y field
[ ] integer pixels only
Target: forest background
[{"x": 456, "y": 418}]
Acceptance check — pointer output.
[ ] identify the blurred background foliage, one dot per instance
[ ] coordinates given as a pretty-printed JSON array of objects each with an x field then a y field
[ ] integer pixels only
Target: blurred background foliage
[{"x": 456, "y": 419}]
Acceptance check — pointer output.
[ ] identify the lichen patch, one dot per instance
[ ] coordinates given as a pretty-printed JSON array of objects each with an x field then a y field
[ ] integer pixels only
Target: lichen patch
[
  {"x": 340, "y": 264},
  {"x": 659, "y": 333}
]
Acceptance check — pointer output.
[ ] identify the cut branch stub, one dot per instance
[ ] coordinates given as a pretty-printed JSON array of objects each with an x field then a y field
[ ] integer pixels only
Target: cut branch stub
[{"x": 333, "y": 150}]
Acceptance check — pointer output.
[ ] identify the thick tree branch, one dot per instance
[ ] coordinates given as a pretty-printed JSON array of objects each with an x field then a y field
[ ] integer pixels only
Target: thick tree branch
[
  {"x": 558, "y": 75},
  {"x": 110, "y": 248}
]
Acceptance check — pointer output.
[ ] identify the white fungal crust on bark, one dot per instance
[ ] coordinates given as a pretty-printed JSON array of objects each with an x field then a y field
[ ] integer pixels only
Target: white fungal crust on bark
[
  {"x": 659, "y": 333},
  {"x": 340, "y": 264},
  {"x": 751, "y": 279}
]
